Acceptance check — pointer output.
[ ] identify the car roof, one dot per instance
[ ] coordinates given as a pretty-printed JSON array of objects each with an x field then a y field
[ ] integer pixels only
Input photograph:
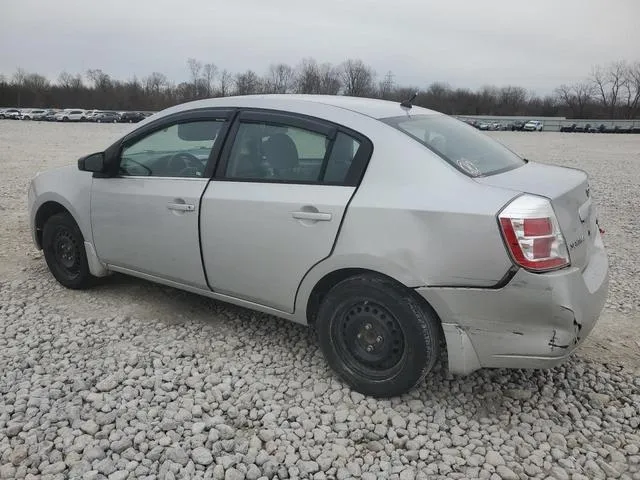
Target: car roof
[{"x": 371, "y": 107}]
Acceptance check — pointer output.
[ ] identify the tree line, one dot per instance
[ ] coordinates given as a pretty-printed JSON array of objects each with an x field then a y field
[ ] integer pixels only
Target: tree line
[{"x": 609, "y": 91}]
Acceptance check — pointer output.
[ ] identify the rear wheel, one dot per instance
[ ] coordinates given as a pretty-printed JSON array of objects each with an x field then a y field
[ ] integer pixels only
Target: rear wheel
[
  {"x": 63, "y": 246},
  {"x": 377, "y": 336}
]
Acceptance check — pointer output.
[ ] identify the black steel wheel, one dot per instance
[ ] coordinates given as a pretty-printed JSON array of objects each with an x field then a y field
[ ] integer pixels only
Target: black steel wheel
[
  {"x": 377, "y": 336},
  {"x": 64, "y": 252},
  {"x": 369, "y": 338}
]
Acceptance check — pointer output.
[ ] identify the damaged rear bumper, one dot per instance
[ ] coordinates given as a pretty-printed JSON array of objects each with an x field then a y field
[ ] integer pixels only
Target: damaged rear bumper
[{"x": 535, "y": 321}]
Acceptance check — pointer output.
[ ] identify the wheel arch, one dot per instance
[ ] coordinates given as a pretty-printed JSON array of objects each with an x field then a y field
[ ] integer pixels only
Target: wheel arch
[
  {"x": 329, "y": 280},
  {"x": 44, "y": 212}
]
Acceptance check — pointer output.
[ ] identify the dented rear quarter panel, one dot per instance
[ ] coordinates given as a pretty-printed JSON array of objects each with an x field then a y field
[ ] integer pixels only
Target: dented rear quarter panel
[{"x": 417, "y": 219}]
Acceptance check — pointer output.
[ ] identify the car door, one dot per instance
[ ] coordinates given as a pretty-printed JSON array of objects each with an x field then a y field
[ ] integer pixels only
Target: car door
[
  {"x": 145, "y": 219},
  {"x": 276, "y": 203}
]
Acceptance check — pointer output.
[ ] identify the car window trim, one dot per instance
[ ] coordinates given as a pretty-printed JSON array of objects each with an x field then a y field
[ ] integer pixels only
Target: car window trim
[
  {"x": 113, "y": 154},
  {"x": 297, "y": 120}
]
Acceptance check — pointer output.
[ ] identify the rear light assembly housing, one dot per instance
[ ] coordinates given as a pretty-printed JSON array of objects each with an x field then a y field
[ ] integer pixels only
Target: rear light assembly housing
[{"x": 532, "y": 234}]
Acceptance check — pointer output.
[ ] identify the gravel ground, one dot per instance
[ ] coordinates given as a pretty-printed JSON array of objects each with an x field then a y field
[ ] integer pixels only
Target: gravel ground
[{"x": 135, "y": 380}]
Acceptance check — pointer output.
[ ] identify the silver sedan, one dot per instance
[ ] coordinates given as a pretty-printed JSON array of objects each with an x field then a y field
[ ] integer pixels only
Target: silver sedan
[{"x": 393, "y": 229}]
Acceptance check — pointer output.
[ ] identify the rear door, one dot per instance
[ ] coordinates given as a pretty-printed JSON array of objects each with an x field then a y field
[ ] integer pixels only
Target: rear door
[{"x": 276, "y": 203}]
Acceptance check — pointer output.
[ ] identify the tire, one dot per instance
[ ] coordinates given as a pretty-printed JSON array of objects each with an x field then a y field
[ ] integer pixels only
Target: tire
[
  {"x": 63, "y": 246},
  {"x": 379, "y": 338},
  {"x": 65, "y": 119}
]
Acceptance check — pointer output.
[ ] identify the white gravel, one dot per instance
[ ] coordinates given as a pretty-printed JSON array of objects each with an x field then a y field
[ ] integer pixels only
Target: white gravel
[{"x": 134, "y": 380}]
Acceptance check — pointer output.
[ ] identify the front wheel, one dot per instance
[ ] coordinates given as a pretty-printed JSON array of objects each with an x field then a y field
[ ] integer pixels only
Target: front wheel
[
  {"x": 64, "y": 252},
  {"x": 377, "y": 336}
]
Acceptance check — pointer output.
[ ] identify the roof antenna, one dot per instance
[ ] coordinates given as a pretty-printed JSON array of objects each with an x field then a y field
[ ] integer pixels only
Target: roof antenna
[{"x": 407, "y": 103}]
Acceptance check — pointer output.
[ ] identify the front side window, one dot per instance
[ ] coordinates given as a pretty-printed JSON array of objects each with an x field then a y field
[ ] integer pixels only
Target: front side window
[
  {"x": 262, "y": 151},
  {"x": 469, "y": 150},
  {"x": 179, "y": 150}
]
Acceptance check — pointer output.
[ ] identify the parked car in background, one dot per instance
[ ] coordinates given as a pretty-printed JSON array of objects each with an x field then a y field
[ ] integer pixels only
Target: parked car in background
[
  {"x": 106, "y": 117},
  {"x": 71, "y": 115},
  {"x": 533, "y": 125},
  {"x": 50, "y": 116},
  {"x": 90, "y": 114},
  {"x": 484, "y": 126},
  {"x": 11, "y": 114},
  {"x": 337, "y": 233},
  {"x": 131, "y": 117},
  {"x": 568, "y": 128},
  {"x": 35, "y": 114},
  {"x": 518, "y": 125}
]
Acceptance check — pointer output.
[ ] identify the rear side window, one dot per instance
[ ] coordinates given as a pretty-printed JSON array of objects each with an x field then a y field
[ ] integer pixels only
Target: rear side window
[
  {"x": 469, "y": 150},
  {"x": 342, "y": 154},
  {"x": 279, "y": 153}
]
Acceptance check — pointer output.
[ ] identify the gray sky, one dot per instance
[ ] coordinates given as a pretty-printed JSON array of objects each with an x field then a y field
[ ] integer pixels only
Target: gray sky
[{"x": 537, "y": 44}]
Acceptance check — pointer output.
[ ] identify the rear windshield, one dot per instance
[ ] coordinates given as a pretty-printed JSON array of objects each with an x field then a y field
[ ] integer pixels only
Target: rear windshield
[{"x": 466, "y": 148}]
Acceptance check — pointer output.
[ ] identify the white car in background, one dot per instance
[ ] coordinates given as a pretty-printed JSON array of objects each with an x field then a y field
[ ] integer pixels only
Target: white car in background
[
  {"x": 533, "y": 125},
  {"x": 71, "y": 115},
  {"x": 34, "y": 114},
  {"x": 90, "y": 114},
  {"x": 11, "y": 113}
]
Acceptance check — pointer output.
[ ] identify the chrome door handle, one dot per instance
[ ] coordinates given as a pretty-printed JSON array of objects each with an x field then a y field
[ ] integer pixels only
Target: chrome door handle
[
  {"x": 317, "y": 216},
  {"x": 181, "y": 207}
]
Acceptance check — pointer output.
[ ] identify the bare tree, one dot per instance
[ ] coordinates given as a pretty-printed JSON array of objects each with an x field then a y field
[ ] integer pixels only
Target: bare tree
[
  {"x": 155, "y": 82},
  {"x": 247, "y": 83},
  {"x": 330, "y": 83},
  {"x": 575, "y": 96},
  {"x": 101, "y": 80},
  {"x": 194, "y": 68},
  {"x": 209, "y": 72},
  {"x": 308, "y": 77},
  {"x": 36, "y": 82},
  {"x": 69, "y": 81},
  {"x": 513, "y": 99},
  {"x": 280, "y": 78},
  {"x": 608, "y": 82},
  {"x": 225, "y": 83},
  {"x": 357, "y": 78},
  {"x": 632, "y": 90},
  {"x": 19, "y": 76}
]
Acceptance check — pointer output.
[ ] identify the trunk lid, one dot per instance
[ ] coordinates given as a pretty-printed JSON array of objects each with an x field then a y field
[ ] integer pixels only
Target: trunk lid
[{"x": 569, "y": 192}]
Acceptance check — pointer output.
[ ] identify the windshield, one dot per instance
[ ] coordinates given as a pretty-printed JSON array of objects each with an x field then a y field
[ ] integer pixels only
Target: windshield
[{"x": 469, "y": 150}]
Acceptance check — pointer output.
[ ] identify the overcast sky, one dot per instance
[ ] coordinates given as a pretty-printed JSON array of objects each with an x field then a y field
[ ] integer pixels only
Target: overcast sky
[{"x": 537, "y": 44}]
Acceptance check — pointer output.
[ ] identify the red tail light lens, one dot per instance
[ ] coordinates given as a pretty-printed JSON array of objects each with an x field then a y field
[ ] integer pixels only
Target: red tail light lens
[{"x": 532, "y": 234}]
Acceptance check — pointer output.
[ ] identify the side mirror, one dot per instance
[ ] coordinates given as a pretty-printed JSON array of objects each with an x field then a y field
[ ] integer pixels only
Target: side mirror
[{"x": 92, "y": 163}]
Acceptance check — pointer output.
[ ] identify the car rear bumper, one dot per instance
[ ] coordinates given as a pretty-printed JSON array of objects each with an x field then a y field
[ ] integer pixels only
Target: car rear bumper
[{"x": 535, "y": 321}]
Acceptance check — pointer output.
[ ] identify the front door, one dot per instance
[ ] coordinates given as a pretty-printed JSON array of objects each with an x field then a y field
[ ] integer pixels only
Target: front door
[
  {"x": 275, "y": 206},
  {"x": 146, "y": 219}
]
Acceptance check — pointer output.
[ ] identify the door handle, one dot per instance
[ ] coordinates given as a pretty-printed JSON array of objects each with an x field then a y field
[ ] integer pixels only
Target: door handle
[
  {"x": 181, "y": 207},
  {"x": 317, "y": 216}
]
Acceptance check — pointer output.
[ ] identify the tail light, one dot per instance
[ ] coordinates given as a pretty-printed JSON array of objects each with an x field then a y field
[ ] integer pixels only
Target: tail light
[{"x": 532, "y": 234}]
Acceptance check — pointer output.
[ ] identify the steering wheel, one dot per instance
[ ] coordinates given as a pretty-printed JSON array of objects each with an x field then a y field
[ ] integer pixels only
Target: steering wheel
[{"x": 185, "y": 164}]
